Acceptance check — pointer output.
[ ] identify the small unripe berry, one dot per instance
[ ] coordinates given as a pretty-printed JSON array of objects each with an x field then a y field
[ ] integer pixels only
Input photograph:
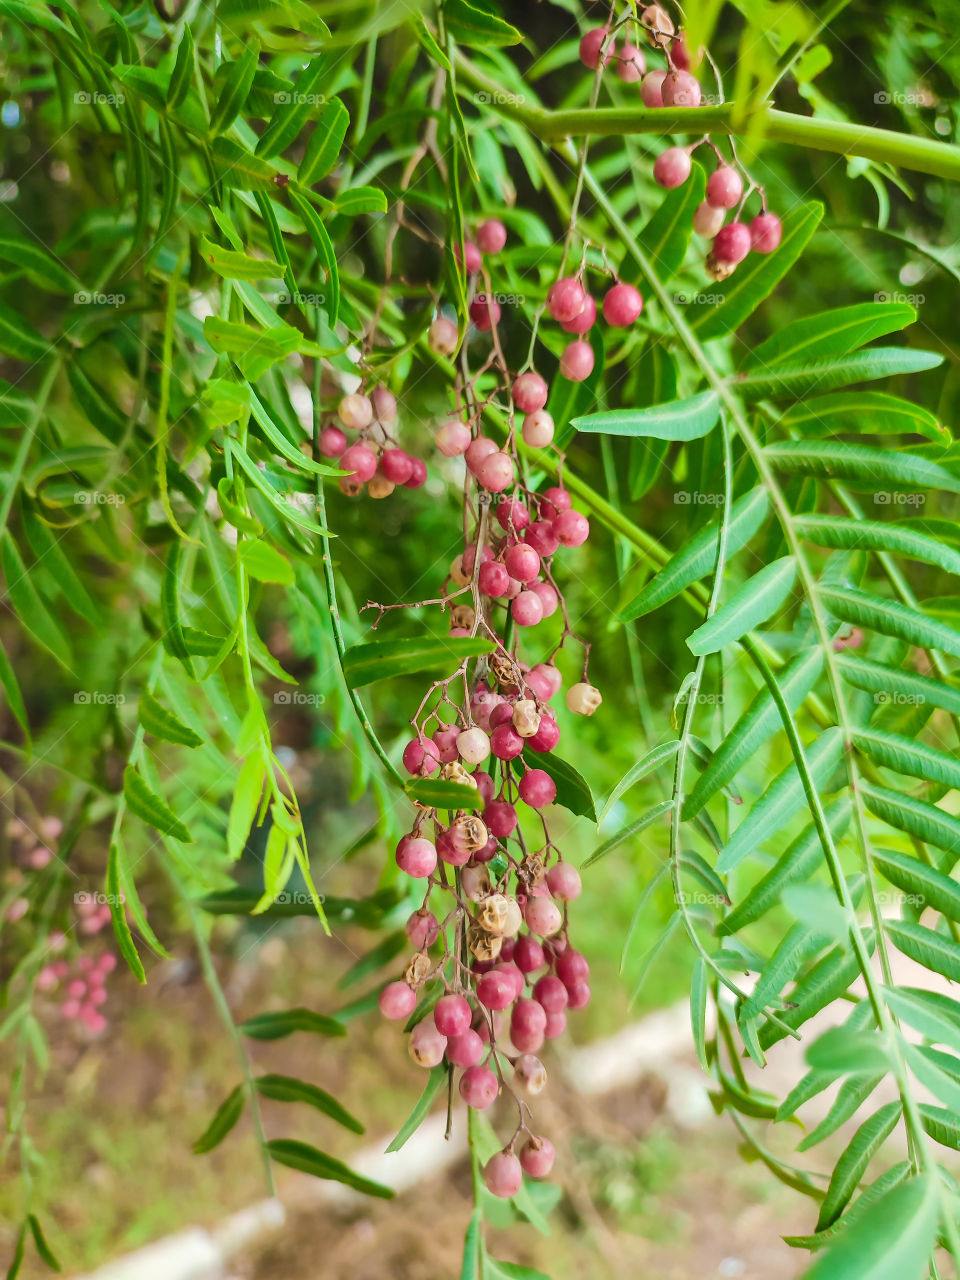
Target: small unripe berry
[
  {"x": 484, "y": 784},
  {"x": 505, "y": 742},
  {"x": 651, "y": 88},
  {"x": 426, "y": 1045},
  {"x": 473, "y": 744},
  {"x": 503, "y": 1175},
  {"x": 583, "y": 699},
  {"x": 548, "y": 673},
  {"x": 526, "y": 610},
  {"x": 537, "y": 788},
  {"x": 672, "y": 167},
  {"x": 423, "y": 929},
  {"x": 495, "y": 990},
  {"x": 565, "y": 299},
  {"x": 452, "y": 1015},
  {"x": 571, "y": 967},
  {"x": 397, "y": 1000},
  {"x": 384, "y": 405},
  {"x": 453, "y": 438},
  {"x": 548, "y": 597},
  {"x": 465, "y": 1050},
  {"x": 361, "y": 461},
  {"x": 622, "y": 305},
  {"x": 538, "y": 683},
  {"x": 541, "y": 536},
  {"x": 708, "y": 219},
  {"x": 631, "y": 64},
  {"x": 765, "y": 232},
  {"x": 479, "y": 1087},
  {"x": 418, "y": 474},
  {"x": 551, "y": 993},
  {"x": 590, "y": 45},
  {"x": 443, "y": 336},
  {"x": 491, "y": 235},
  {"x": 529, "y": 391},
  {"x": 501, "y": 818},
  {"x": 501, "y": 714},
  {"x": 537, "y": 430},
  {"x": 485, "y": 312},
  {"x": 332, "y": 442},
  {"x": 528, "y": 954},
  {"x": 732, "y": 243},
  {"x": 470, "y": 555},
  {"x": 355, "y": 412},
  {"x": 537, "y": 1157},
  {"x": 724, "y": 187},
  {"x": 578, "y": 995},
  {"x": 472, "y": 257},
  {"x": 512, "y": 515},
  {"x": 564, "y": 881},
  {"x": 493, "y": 579},
  {"x": 543, "y": 917},
  {"x": 572, "y": 528},
  {"x": 417, "y": 857},
  {"x": 681, "y": 89},
  {"x": 396, "y": 466},
  {"x": 585, "y": 318},
  {"x": 553, "y": 501},
  {"x": 577, "y": 360},
  {"x": 496, "y": 472},
  {"x": 547, "y": 736},
  {"x": 522, "y": 562},
  {"x": 421, "y": 757},
  {"x": 530, "y": 1075}
]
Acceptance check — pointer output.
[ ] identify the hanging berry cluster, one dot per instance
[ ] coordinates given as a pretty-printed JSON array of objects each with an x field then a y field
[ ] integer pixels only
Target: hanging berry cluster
[
  {"x": 675, "y": 85},
  {"x": 493, "y": 972}
]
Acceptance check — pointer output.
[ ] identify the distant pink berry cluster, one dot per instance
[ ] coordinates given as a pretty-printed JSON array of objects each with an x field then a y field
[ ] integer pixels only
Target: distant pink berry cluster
[
  {"x": 377, "y": 465},
  {"x": 83, "y": 986}
]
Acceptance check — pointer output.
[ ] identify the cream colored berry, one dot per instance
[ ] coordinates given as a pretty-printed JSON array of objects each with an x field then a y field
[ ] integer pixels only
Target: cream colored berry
[
  {"x": 443, "y": 336},
  {"x": 457, "y": 574},
  {"x": 583, "y": 699},
  {"x": 473, "y": 745},
  {"x": 526, "y": 718},
  {"x": 455, "y": 772},
  {"x": 380, "y": 487},
  {"x": 355, "y": 412}
]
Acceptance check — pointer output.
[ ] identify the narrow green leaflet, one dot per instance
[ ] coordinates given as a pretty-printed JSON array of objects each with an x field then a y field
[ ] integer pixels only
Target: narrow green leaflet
[
  {"x": 307, "y": 1159},
  {"x": 573, "y": 790},
  {"x": 40, "y": 1243},
  {"x": 833, "y": 332},
  {"x": 678, "y": 420},
  {"x": 284, "y": 1022},
  {"x": 441, "y": 793},
  {"x": 852, "y": 1094},
  {"x": 433, "y": 1088},
  {"x": 12, "y": 690},
  {"x": 890, "y": 617},
  {"x": 48, "y": 550},
  {"x": 863, "y": 673},
  {"x": 942, "y": 1125},
  {"x": 238, "y": 266},
  {"x": 156, "y": 719},
  {"x": 19, "y": 340},
  {"x": 243, "y": 807},
  {"x": 876, "y": 535},
  {"x": 225, "y": 1118},
  {"x": 828, "y": 372},
  {"x": 832, "y": 459},
  {"x": 151, "y": 808},
  {"x": 477, "y": 26},
  {"x": 916, "y": 817},
  {"x": 759, "y": 721},
  {"x": 917, "y": 878},
  {"x": 699, "y": 556},
  {"x": 384, "y": 659},
  {"x": 293, "y": 110},
  {"x": 38, "y": 264},
  {"x": 908, "y": 755},
  {"x": 862, "y": 411},
  {"x": 754, "y": 279},
  {"x": 184, "y": 68},
  {"x": 265, "y": 563},
  {"x": 236, "y": 87},
  {"x": 891, "y": 1240},
  {"x": 757, "y": 601},
  {"x": 28, "y": 606},
  {"x": 288, "y": 1089},
  {"x": 781, "y": 800},
  {"x": 852, "y": 1165},
  {"x": 325, "y": 251},
  {"x": 920, "y": 1010},
  {"x": 118, "y": 915},
  {"x": 472, "y": 1245},
  {"x": 652, "y": 815},
  {"x": 927, "y": 947},
  {"x": 654, "y": 759},
  {"x": 666, "y": 237},
  {"x": 323, "y": 149}
]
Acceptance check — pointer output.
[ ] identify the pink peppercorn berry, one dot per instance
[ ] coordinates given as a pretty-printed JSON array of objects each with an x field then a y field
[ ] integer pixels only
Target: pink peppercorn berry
[
  {"x": 732, "y": 243},
  {"x": 765, "y": 232},
  {"x": 479, "y": 1087},
  {"x": 537, "y": 789},
  {"x": 491, "y": 236},
  {"x": 672, "y": 168},
  {"x": 503, "y": 1175},
  {"x": 397, "y": 1000},
  {"x": 622, "y": 305}
]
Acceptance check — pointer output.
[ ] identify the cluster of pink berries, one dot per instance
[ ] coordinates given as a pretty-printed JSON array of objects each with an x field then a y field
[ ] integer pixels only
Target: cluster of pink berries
[
  {"x": 375, "y": 460},
  {"x": 84, "y": 987},
  {"x": 677, "y": 86},
  {"x": 569, "y": 303},
  {"x": 492, "y": 977}
]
